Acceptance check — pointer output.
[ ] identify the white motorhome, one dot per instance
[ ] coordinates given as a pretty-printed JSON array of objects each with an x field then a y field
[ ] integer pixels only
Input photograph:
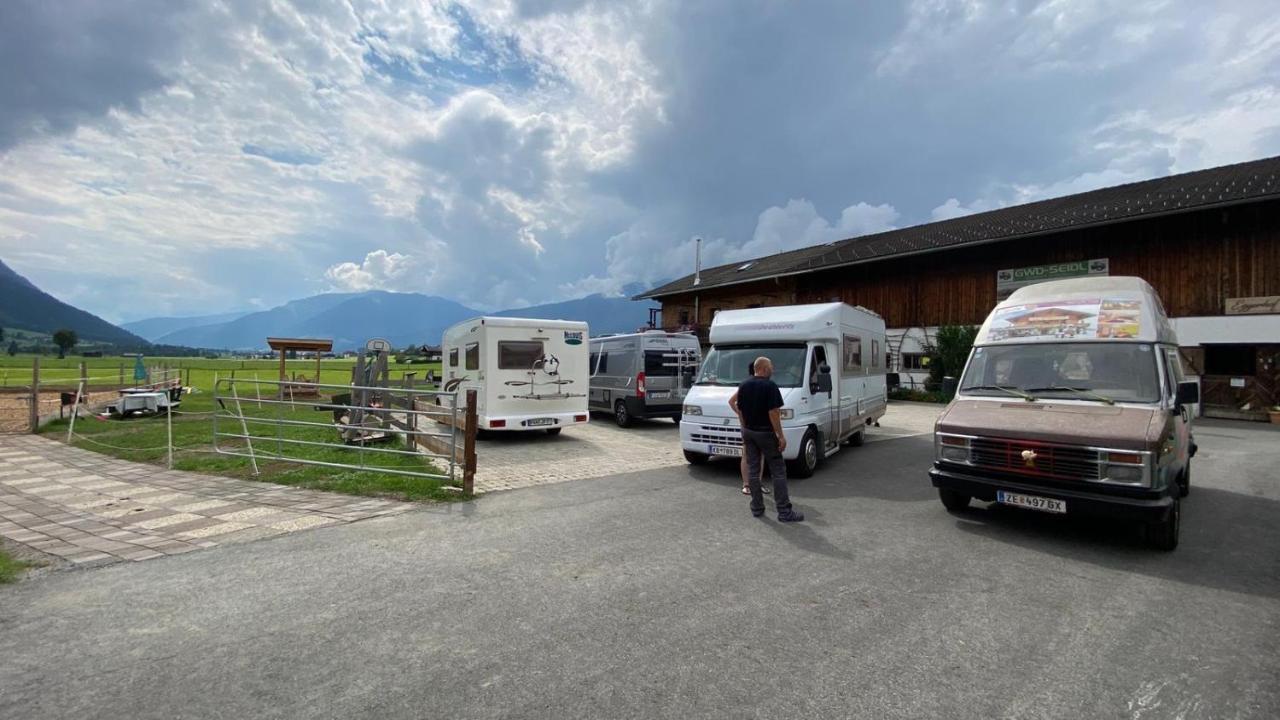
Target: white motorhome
[
  {"x": 1073, "y": 402},
  {"x": 828, "y": 360},
  {"x": 528, "y": 374}
]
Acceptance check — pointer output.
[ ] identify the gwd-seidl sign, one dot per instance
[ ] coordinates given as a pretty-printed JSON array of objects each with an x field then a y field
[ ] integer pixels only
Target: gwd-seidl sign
[{"x": 1013, "y": 278}]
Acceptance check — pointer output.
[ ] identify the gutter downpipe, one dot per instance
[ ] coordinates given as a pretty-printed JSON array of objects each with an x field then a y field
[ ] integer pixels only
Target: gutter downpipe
[{"x": 697, "y": 280}]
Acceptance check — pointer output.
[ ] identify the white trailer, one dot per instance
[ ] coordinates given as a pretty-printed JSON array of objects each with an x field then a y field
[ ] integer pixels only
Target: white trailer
[
  {"x": 828, "y": 360},
  {"x": 528, "y": 374}
]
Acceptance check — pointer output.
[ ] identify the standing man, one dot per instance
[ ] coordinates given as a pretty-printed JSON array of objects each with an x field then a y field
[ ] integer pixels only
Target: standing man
[{"x": 758, "y": 404}]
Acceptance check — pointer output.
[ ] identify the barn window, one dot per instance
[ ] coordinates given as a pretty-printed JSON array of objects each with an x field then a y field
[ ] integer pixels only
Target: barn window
[
  {"x": 913, "y": 361},
  {"x": 1230, "y": 360}
]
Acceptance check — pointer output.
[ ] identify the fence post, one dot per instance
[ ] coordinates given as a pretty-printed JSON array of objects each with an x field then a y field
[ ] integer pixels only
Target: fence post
[
  {"x": 121, "y": 374},
  {"x": 168, "y": 424},
  {"x": 244, "y": 427},
  {"x": 469, "y": 446},
  {"x": 75, "y": 409},
  {"x": 84, "y": 374},
  {"x": 35, "y": 394}
]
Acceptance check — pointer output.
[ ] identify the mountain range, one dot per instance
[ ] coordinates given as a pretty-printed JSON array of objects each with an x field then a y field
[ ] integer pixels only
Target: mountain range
[
  {"x": 349, "y": 318},
  {"x": 26, "y": 307}
]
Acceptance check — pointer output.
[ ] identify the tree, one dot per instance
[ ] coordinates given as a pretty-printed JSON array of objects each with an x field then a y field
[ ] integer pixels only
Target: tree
[
  {"x": 65, "y": 340},
  {"x": 13, "y": 347},
  {"x": 949, "y": 352},
  {"x": 1, "y": 334}
]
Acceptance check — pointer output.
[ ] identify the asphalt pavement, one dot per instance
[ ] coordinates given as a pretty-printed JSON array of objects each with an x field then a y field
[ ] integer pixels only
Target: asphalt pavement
[{"x": 656, "y": 595}]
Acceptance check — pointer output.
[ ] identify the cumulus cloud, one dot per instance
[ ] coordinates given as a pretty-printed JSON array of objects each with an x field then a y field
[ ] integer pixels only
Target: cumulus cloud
[{"x": 379, "y": 270}]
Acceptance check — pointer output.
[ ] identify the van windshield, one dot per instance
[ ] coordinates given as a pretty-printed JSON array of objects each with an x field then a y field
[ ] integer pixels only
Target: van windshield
[
  {"x": 1097, "y": 372},
  {"x": 731, "y": 364}
]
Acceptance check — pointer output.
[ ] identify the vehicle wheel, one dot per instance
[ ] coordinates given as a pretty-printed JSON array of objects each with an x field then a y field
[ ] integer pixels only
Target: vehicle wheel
[
  {"x": 953, "y": 501},
  {"x": 1184, "y": 482},
  {"x": 696, "y": 458},
  {"x": 856, "y": 439},
  {"x": 554, "y": 431},
  {"x": 620, "y": 414},
  {"x": 677, "y": 419},
  {"x": 807, "y": 461},
  {"x": 1163, "y": 535}
]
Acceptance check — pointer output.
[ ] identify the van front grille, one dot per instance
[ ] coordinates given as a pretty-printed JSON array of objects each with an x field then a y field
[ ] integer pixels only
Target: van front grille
[
  {"x": 717, "y": 435},
  {"x": 1033, "y": 458}
]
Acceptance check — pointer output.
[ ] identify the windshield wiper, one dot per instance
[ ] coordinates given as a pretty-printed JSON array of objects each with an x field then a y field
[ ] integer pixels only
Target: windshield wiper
[
  {"x": 1003, "y": 388},
  {"x": 1079, "y": 390}
]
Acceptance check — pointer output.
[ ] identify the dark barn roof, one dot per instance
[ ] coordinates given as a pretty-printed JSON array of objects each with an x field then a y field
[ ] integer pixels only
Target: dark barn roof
[{"x": 1217, "y": 187}]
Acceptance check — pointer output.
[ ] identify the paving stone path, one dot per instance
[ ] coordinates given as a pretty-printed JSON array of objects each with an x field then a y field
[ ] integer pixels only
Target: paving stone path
[{"x": 92, "y": 509}]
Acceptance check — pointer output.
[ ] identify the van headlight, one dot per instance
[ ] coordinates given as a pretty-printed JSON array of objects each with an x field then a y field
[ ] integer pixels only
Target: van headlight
[
  {"x": 786, "y": 413},
  {"x": 1128, "y": 468},
  {"x": 951, "y": 448},
  {"x": 692, "y": 410}
]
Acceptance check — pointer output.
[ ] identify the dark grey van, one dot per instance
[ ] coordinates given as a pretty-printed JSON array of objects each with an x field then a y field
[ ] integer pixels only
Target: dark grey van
[{"x": 642, "y": 375}]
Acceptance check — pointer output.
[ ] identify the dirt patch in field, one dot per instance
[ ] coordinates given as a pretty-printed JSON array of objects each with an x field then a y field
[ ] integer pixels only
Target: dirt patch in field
[{"x": 15, "y": 406}]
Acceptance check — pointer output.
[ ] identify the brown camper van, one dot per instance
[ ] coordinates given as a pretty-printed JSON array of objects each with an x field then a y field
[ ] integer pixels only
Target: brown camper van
[{"x": 1073, "y": 401}]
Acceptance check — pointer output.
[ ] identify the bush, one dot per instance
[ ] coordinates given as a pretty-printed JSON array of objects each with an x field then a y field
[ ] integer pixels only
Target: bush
[
  {"x": 949, "y": 352},
  {"x": 911, "y": 395}
]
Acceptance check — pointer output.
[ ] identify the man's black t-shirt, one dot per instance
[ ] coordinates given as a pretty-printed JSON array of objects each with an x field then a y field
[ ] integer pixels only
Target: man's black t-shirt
[{"x": 756, "y": 397}]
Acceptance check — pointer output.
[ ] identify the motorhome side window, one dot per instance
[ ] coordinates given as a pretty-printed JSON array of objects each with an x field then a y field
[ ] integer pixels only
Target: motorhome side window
[
  {"x": 473, "y": 356},
  {"x": 852, "y": 353},
  {"x": 518, "y": 354},
  {"x": 875, "y": 353},
  {"x": 453, "y": 357}
]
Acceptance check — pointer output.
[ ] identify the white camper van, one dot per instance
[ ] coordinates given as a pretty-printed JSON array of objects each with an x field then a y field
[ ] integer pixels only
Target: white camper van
[
  {"x": 828, "y": 360},
  {"x": 528, "y": 374}
]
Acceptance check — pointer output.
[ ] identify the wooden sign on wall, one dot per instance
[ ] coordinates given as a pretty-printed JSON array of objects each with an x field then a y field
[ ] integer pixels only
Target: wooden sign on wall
[{"x": 1253, "y": 305}]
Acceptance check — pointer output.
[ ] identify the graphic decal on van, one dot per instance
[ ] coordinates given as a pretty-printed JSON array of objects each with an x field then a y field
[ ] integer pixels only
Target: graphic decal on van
[
  {"x": 572, "y": 337},
  {"x": 1068, "y": 319}
]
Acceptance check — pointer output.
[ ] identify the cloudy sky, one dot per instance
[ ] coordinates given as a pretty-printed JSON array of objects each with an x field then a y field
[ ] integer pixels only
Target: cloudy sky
[{"x": 165, "y": 157}]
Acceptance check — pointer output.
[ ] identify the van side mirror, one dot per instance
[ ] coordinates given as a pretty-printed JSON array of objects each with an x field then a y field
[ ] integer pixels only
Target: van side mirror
[
  {"x": 1188, "y": 393},
  {"x": 823, "y": 381}
]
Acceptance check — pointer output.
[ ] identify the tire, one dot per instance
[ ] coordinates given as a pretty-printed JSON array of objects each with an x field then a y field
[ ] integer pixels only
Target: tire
[
  {"x": 621, "y": 415},
  {"x": 856, "y": 439},
  {"x": 1184, "y": 481},
  {"x": 1163, "y": 535},
  {"x": 677, "y": 419},
  {"x": 808, "y": 458},
  {"x": 554, "y": 431},
  {"x": 696, "y": 458},
  {"x": 953, "y": 501}
]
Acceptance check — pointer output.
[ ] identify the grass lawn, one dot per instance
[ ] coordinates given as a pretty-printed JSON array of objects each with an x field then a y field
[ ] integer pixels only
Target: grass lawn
[
  {"x": 143, "y": 439},
  {"x": 10, "y": 569}
]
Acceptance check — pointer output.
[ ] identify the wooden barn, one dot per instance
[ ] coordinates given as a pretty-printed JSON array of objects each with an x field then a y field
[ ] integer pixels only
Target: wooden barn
[{"x": 1208, "y": 241}]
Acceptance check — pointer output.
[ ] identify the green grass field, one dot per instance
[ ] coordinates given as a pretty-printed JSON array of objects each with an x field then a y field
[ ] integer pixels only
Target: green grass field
[
  {"x": 143, "y": 439},
  {"x": 10, "y": 569}
]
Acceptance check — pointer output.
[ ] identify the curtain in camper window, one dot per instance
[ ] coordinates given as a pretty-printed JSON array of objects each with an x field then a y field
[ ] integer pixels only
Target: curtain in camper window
[
  {"x": 473, "y": 356},
  {"x": 852, "y": 353},
  {"x": 519, "y": 354}
]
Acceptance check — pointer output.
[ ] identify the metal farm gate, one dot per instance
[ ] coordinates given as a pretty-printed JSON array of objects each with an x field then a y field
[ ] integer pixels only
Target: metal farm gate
[{"x": 400, "y": 430}]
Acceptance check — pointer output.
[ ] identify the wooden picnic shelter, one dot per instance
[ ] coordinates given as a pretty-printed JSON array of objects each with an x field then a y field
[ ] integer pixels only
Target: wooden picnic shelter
[{"x": 285, "y": 345}]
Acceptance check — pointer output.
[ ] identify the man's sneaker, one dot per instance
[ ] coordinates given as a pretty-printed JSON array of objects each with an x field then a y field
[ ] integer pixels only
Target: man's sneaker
[
  {"x": 791, "y": 516},
  {"x": 757, "y": 513}
]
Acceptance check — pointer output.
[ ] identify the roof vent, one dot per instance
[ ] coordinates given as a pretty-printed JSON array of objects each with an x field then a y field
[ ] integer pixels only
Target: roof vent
[{"x": 746, "y": 266}]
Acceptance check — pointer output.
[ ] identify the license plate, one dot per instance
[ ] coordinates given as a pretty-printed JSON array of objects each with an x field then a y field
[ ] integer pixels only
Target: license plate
[
  {"x": 726, "y": 450},
  {"x": 539, "y": 422},
  {"x": 1031, "y": 502},
  {"x": 659, "y": 395}
]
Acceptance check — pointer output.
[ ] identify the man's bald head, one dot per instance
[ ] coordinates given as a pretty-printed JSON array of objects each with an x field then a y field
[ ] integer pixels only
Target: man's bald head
[{"x": 763, "y": 367}]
